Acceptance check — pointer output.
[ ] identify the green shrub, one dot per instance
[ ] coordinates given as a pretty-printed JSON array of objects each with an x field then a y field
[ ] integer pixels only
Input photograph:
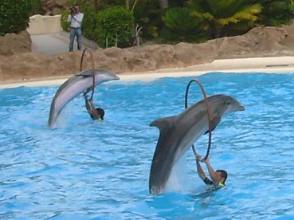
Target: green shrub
[
  {"x": 223, "y": 17},
  {"x": 89, "y": 26},
  {"x": 147, "y": 14},
  {"x": 114, "y": 27},
  {"x": 179, "y": 25},
  {"x": 14, "y": 15},
  {"x": 36, "y": 7},
  {"x": 277, "y": 12},
  {"x": 63, "y": 21}
]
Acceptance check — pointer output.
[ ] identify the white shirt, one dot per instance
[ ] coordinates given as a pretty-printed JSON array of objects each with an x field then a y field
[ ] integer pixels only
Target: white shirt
[{"x": 75, "y": 20}]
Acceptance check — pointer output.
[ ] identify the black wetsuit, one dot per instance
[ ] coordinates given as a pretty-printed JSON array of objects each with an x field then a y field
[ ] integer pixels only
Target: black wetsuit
[{"x": 208, "y": 181}]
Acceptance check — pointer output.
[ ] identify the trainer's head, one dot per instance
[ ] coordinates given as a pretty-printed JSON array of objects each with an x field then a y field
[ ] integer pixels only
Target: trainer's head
[
  {"x": 100, "y": 112},
  {"x": 223, "y": 175},
  {"x": 77, "y": 8}
]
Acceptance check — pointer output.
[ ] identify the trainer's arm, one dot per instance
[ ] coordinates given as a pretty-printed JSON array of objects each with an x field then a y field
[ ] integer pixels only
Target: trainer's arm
[
  {"x": 89, "y": 104},
  {"x": 78, "y": 18},
  {"x": 200, "y": 171},
  {"x": 213, "y": 175}
]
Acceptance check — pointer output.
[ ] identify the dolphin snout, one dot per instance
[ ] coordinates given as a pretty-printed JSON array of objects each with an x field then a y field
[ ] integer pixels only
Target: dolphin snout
[
  {"x": 116, "y": 77},
  {"x": 241, "y": 108},
  {"x": 235, "y": 107}
]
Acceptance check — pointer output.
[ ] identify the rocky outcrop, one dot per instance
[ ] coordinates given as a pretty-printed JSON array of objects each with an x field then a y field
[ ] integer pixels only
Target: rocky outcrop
[
  {"x": 259, "y": 42},
  {"x": 54, "y": 7},
  {"x": 15, "y": 43}
]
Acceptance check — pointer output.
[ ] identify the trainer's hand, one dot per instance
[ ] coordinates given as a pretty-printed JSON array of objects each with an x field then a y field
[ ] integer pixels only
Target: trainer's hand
[
  {"x": 198, "y": 157},
  {"x": 205, "y": 160}
]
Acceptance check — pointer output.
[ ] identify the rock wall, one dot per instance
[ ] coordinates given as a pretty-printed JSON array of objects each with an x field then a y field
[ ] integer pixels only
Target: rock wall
[
  {"x": 259, "y": 42},
  {"x": 54, "y": 7},
  {"x": 15, "y": 43}
]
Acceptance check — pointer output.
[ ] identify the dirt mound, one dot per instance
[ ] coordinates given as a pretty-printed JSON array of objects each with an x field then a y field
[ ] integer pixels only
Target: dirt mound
[
  {"x": 15, "y": 43},
  {"x": 259, "y": 42}
]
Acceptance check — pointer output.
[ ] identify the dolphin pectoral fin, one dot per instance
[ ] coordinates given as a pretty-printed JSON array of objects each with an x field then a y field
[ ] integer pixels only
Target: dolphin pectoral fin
[{"x": 214, "y": 123}]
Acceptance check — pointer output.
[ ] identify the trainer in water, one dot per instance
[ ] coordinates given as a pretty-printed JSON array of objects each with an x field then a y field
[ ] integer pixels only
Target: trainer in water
[
  {"x": 217, "y": 178},
  {"x": 178, "y": 133},
  {"x": 95, "y": 113}
]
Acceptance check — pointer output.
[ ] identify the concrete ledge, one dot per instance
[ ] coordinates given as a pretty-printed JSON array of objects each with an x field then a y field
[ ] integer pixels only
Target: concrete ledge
[
  {"x": 277, "y": 65},
  {"x": 44, "y": 24}
]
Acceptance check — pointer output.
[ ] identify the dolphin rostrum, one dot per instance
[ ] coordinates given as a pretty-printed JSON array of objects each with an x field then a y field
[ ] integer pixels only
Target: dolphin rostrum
[
  {"x": 74, "y": 86},
  {"x": 178, "y": 133}
]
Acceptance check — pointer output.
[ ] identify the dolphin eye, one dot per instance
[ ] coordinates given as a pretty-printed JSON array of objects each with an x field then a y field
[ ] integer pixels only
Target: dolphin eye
[{"x": 227, "y": 103}]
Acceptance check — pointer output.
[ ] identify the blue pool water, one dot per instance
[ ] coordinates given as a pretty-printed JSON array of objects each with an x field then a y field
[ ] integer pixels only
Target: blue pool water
[{"x": 100, "y": 170}]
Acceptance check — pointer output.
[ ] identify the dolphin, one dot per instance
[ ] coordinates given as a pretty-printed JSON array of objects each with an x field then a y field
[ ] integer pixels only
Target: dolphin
[
  {"x": 178, "y": 133},
  {"x": 74, "y": 86}
]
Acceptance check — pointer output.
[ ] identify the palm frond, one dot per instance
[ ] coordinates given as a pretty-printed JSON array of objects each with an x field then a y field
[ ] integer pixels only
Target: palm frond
[{"x": 249, "y": 13}]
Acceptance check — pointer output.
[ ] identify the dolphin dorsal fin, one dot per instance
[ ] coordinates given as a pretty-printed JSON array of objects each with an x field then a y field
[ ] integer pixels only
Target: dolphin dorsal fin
[
  {"x": 86, "y": 73},
  {"x": 164, "y": 124}
]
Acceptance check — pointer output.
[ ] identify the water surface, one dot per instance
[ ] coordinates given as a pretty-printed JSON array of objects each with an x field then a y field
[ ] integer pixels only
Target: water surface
[{"x": 100, "y": 170}]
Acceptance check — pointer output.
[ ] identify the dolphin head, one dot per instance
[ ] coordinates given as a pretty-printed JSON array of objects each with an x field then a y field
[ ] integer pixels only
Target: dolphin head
[
  {"x": 104, "y": 75},
  {"x": 232, "y": 105}
]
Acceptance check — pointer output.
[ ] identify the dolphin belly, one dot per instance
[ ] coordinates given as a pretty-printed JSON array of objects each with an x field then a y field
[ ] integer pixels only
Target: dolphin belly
[{"x": 191, "y": 137}]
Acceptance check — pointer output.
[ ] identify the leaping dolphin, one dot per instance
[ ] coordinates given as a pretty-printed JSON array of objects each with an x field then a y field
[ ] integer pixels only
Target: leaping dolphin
[
  {"x": 178, "y": 133},
  {"x": 74, "y": 86}
]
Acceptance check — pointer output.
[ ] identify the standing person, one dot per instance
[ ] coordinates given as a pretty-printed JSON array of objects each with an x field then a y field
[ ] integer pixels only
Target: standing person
[
  {"x": 75, "y": 19},
  {"x": 218, "y": 177}
]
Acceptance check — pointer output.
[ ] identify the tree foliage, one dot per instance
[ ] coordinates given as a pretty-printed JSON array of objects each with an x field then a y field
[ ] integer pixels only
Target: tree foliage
[
  {"x": 147, "y": 14},
  {"x": 115, "y": 26},
  {"x": 108, "y": 27},
  {"x": 36, "y": 7},
  {"x": 90, "y": 25},
  {"x": 181, "y": 26},
  {"x": 184, "y": 20},
  {"x": 218, "y": 15},
  {"x": 14, "y": 15},
  {"x": 277, "y": 12}
]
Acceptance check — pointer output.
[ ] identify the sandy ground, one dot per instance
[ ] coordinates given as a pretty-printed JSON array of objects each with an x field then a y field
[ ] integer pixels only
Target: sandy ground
[
  {"x": 55, "y": 43},
  {"x": 265, "y": 64}
]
